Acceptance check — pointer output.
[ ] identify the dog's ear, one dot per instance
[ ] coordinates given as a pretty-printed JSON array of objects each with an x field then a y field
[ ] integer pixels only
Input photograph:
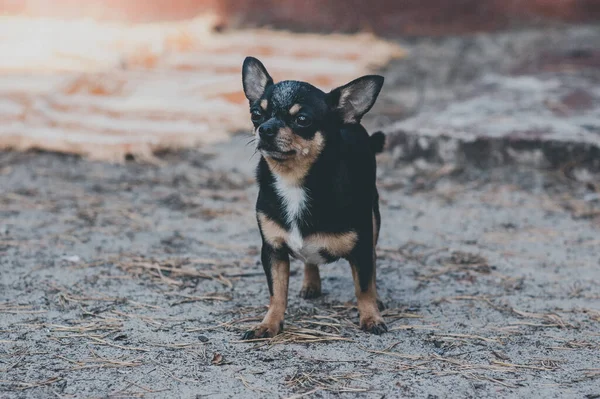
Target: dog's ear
[
  {"x": 356, "y": 98},
  {"x": 255, "y": 79}
]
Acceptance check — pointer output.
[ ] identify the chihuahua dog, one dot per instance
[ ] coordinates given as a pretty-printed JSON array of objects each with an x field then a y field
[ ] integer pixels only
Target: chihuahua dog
[{"x": 318, "y": 201}]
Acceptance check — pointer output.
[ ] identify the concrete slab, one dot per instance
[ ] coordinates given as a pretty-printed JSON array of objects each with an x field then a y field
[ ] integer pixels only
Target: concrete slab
[{"x": 546, "y": 118}]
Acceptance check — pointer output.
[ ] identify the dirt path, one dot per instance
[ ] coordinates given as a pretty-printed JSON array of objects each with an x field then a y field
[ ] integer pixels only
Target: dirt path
[
  {"x": 491, "y": 284},
  {"x": 137, "y": 281}
]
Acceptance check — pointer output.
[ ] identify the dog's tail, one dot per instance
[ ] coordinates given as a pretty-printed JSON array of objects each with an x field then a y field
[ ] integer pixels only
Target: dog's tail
[{"x": 377, "y": 142}]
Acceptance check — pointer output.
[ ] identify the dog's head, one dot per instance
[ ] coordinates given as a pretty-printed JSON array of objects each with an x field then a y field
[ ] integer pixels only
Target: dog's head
[{"x": 292, "y": 119}]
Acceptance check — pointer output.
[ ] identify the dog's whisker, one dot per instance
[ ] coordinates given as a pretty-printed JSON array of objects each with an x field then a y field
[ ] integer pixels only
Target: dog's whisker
[{"x": 253, "y": 154}]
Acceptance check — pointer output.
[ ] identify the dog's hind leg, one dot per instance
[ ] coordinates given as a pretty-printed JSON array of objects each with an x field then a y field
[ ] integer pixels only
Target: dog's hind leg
[
  {"x": 311, "y": 286},
  {"x": 376, "y": 227}
]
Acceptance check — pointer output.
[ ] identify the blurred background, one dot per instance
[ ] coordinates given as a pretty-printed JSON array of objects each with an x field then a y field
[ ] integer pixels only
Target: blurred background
[
  {"x": 110, "y": 79},
  {"x": 385, "y": 17},
  {"x": 129, "y": 249}
]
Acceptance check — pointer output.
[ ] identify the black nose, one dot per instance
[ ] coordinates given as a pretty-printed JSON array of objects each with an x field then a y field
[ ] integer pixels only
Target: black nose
[{"x": 267, "y": 130}]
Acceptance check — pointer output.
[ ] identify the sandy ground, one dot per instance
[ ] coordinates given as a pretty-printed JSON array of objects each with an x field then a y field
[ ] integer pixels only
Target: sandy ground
[{"x": 137, "y": 281}]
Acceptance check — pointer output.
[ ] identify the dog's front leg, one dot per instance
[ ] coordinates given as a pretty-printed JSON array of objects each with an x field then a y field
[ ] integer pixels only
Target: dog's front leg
[
  {"x": 363, "y": 272},
  {"x": 276, "y": 263}
]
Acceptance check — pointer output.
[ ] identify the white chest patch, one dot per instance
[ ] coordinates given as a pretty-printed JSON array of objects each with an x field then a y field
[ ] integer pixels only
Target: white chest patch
[{"x": 294, "y": 204}]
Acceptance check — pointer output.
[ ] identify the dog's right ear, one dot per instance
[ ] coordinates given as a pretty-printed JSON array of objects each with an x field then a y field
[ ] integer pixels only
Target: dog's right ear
[{"x": 255, "y": 79}]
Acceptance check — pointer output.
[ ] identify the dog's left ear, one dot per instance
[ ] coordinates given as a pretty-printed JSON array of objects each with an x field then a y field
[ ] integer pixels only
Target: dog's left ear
[
  {"x": 356, "y": 98},
  {"x": 255, "y": 79}
]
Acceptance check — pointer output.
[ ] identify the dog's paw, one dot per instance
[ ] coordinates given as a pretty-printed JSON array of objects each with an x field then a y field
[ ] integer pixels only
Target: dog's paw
[
  {"x": 374, "y": 325},
  {"x": 309, "y": 292},
  {"x": 380, "y": 305},
  {"x": 262, "y": 331}
]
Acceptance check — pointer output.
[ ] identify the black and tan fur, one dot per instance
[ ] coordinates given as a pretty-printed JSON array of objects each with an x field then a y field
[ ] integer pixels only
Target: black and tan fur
[{"x": 317, "y": 201}]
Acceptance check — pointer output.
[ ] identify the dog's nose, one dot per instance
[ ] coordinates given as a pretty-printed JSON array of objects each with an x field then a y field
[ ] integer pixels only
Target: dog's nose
[{"x": 267, "y": 130}]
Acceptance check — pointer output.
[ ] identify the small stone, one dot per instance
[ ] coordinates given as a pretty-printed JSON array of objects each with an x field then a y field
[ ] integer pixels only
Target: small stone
[
  {"x": 72, "y": 258},
  {"x": 203, "y": 338}
]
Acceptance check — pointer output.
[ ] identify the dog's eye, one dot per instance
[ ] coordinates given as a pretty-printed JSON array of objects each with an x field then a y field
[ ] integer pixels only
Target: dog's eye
[
  {"x": 303, "y": 121},
  {"x": 256, "y": 116}
]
